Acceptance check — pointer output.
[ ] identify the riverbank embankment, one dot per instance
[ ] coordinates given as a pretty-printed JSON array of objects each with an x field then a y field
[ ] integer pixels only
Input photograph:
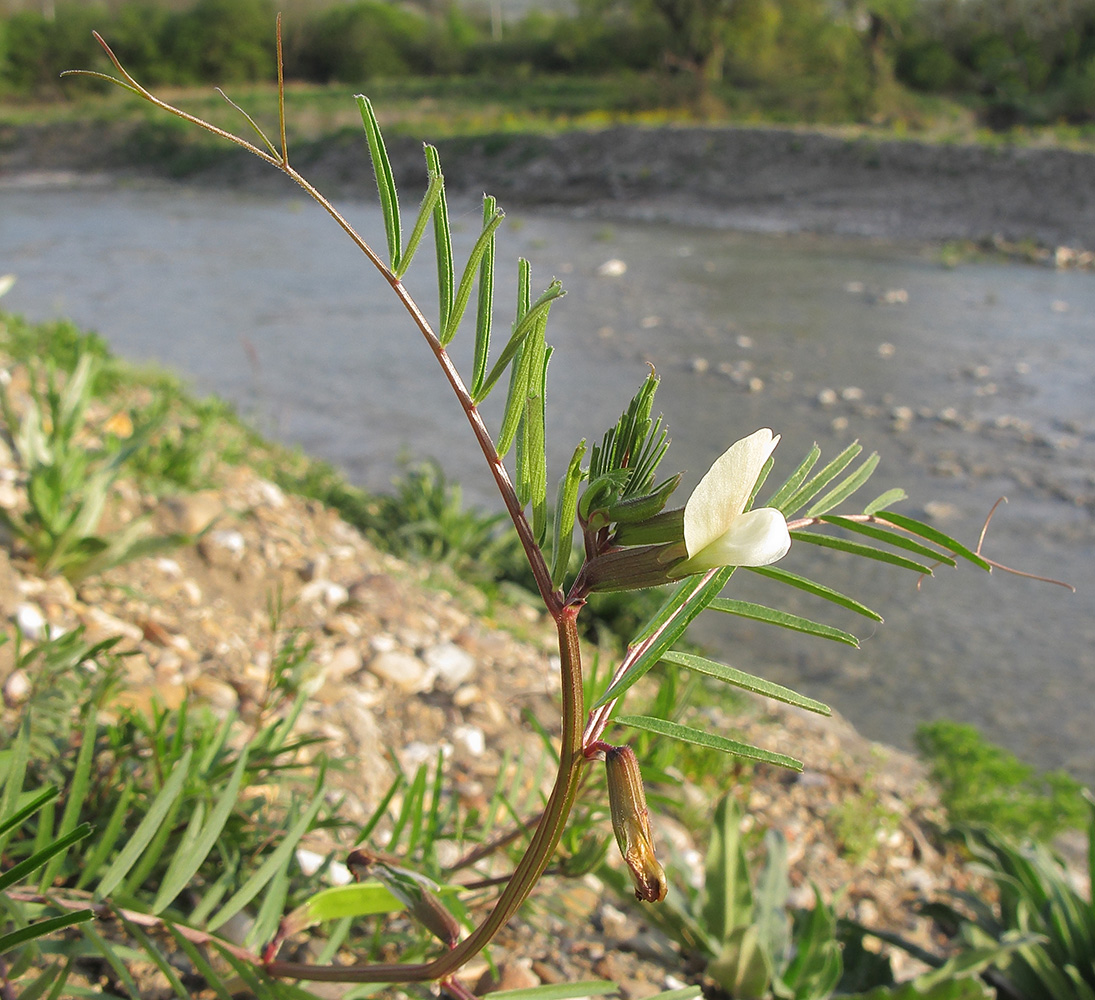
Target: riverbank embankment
[{"x": 745, "y": 178}]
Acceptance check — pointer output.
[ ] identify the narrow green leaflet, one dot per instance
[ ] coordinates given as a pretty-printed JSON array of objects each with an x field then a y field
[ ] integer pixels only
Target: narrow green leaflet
[
  {"x": 805, "y": 493},
  {"x": 889, "y": 538},
  {"x": 857, "y": 549},
  {"x": 471, "y": 270},
  {"x": 361, "y": 899},
  {"x": 748, "y": 682},
  {"x": 759, "y": 613},
  {"x": 926, "y": 531},
  {"x": 442, "y": 238},
  {"x": 896, "y": 495},
  {"x": 536, "y": 446},
  {"x": 202, "y": 964},
  {"x": 484, "y": 313},
  {"x": 558, "y": 991},
  {"x": 845, "y": 489},
  {"x": 686, "y": 734},
  {"x": 185, "y": 863},
  {"x": 794, "y": 480},
  {"x": 385, "y": 182},
  {"x": 15, "y": 820},
  {"x": 566, "y": 510},
  {"x": 93, "y": 864},
  {"x": 19, "y": 871},
  {"x": 425, "y": 213},
  {"x": 269, "y": 868},
  {"x": 43, "y": 927},
  {"x": 522, "y": 329},
  {"x": 147, "y": 829},
  {"x": 817, "y": 589}
]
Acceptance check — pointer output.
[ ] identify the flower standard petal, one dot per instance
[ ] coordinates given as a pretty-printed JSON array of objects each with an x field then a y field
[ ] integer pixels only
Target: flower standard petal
[
  {"x": 722, "y": 494},
  {"x": 756, "y": 538}
]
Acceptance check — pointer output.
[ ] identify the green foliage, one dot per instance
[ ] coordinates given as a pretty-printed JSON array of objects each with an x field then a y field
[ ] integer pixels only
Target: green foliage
[
  {"x": 739, "y": 921},
  {"x": 982, "y": 783},
  {"x": 69, "y": 480}
]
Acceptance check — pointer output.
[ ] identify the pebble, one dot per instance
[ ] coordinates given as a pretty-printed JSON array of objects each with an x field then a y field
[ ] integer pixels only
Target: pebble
[
  {"x": 404, "y": 671},
  {"x": 827, "y": 397},
  {"x": 30, "y": 621},
  {"x": 223, "y": 548},
  {"x": 17, "y": 688},
  {"x": 449, "y": 665},
  {"x": 612, "y": 268},
  {"x": 471, "y": 738}
]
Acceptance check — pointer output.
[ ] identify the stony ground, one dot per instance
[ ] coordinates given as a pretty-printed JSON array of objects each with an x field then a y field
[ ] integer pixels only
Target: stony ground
[{"x": 408, "y": 661}]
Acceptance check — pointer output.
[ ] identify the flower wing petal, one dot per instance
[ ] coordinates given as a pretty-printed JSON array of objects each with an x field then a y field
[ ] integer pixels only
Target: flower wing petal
[
  {"x": 756, "y": 538},
  {"x": 722, "y": 494}
]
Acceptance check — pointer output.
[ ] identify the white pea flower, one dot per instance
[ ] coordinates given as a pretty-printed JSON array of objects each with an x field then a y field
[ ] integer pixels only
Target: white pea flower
[{"x": 718, "y": 530}]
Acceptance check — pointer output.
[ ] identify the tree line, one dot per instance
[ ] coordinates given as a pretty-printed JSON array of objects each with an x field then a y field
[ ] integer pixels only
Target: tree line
[{"x": 1014, "y": 61}]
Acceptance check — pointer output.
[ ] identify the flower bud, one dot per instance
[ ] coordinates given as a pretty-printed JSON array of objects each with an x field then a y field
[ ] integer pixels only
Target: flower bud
[{"x": 631, "y": 824}]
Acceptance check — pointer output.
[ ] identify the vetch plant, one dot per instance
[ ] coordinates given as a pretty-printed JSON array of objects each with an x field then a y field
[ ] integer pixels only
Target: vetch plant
[{"x": 630, "y": 538}]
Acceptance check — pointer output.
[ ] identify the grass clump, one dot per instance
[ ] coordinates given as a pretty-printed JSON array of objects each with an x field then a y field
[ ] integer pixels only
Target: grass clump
[{"x": 983, "y": 784}]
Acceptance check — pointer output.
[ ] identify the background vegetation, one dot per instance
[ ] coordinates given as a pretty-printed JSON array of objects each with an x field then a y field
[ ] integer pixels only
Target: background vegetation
[{"x": 1021, "y": 62}]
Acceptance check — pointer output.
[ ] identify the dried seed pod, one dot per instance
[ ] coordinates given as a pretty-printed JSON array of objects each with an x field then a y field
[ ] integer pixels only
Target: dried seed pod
[{"x": 631, "y": 823}]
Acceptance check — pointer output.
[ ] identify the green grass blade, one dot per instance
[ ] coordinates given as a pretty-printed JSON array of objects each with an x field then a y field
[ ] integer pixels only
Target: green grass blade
[
  {"x": 566, "y": 510},
  {"x": 113, "y": 959},
  {"x": 857, "y": 549},
  {"x": 846, "y": 488},
  {"x": 14, "y": 821},
  {"x": 378, "y": 813},
  {"x": 686, "y": 734},
  {"x": 41, "y": 928},
  {"x": 794, "y": 480},
  {"x": 471, "y": 271},
  {"x": 151, "y": 949},
  {"x": 927, "y": 532},
  {"x": 93, "y": 863},
  {"x": 212, "y": 978},
  {"x": 889, "y": 538},
  {"x": 385, "y": 182},
  {"x": 748, "y": 682},
  {"x": 817, "y": 589},
  {"x": 16, "y": 774},
  {"x": 77, "y": 790},
  {"x": 810, "y": 489},
  {"x": 186, "y": 863},
  {"x": 759, "y": 613},
  {"x": 484, "y": 313},
  {"x": 272, "y": 907},
  {"x": 269, "y": 868},
  {"x": 18, "y": 872},
  {"x": 146, "y": 829},
  {"x": 442, "y": 238}
]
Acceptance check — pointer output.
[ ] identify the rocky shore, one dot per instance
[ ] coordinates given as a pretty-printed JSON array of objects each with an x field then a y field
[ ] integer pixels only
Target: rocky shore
[
  {"x": 407, "y": 661},
  {"x": 747, "y": 178}
]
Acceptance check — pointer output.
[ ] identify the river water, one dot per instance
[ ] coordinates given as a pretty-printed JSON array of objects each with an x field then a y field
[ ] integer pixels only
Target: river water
[{"x": 973, "y": 382}]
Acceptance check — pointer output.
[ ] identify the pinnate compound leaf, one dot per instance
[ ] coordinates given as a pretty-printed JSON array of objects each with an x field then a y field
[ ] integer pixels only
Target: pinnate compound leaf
[
  {"x": 760, "y": 613},
  {"x": 147, "y": 828},
  {"x": 686, "y": 734},
  {"x": 385, "y": 181},
  {"x": 846, "y": 488},
  {"x": 815, "y": 588},
  {"x": 566, "y": 510},
  {"x": 858, "y": 549},
  {"x": 748, "y": 682}
]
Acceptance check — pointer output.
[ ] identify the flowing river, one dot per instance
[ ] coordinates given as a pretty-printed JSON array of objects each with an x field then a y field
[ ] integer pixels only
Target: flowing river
[{"x": 973, "y": 382}]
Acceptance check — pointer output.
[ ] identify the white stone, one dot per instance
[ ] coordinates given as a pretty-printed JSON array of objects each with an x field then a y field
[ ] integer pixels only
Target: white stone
[
  {"x": 16, "y": 688},
  {"x": 471, "y": 738},
  {"x": 402, "y": 670},
  {"x": 612, "y": 268},
  {"x": 449, "y": 664},
  {"x": 31, "y": 621}
]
